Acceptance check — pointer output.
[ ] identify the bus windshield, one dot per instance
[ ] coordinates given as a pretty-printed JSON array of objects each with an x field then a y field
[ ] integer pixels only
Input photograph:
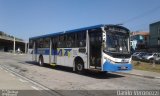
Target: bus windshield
[{"x": 116, "y": 43}]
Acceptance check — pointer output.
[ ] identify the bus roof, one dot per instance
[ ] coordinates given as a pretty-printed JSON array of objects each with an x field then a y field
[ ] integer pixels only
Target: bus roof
[{"x": 75, "y": 30}]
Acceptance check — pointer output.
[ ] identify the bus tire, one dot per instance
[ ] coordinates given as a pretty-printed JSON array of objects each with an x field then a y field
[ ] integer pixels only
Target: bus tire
[
  {"x": 80, "y": 68},
  {"x": 79, "y": 65},
  {"x": 41, "y": 61}
]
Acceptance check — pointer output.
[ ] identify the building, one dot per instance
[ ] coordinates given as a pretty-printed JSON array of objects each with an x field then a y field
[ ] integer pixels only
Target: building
[
  {"x": 9, "y": 43},
  {"x": 139, "y": 40},
  {"x": 155, "y": 36}
]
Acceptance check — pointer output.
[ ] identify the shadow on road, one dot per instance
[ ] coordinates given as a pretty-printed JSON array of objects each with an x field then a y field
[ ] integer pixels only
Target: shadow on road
[{"x": 88, "y": 73}]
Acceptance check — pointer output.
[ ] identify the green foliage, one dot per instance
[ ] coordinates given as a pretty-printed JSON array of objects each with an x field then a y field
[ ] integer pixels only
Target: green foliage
[
  {"x": 146, "y": 66},
  {"x": 137, "y": 63}
]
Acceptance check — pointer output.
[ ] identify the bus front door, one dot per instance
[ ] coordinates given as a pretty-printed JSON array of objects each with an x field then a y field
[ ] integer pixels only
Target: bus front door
[{"x": 95, "y": 39}]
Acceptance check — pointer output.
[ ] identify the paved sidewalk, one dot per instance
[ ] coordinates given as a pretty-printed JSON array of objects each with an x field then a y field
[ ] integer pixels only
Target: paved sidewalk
[{"x": 142, "y": 73}]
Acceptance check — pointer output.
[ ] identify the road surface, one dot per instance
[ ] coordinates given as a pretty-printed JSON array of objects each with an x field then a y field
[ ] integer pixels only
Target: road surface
[{"x": 63, "y": 80}]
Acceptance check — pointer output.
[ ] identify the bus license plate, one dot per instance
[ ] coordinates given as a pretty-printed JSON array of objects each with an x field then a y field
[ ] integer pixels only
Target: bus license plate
[{"x": 123, "y": 68}]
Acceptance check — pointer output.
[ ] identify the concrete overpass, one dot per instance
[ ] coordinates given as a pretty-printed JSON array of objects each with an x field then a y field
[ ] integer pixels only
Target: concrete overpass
[{"x": 12, "y": 44}]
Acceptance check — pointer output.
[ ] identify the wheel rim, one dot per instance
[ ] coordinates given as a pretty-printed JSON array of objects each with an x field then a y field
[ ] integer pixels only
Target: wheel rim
[{"x": 79, "y": 67}]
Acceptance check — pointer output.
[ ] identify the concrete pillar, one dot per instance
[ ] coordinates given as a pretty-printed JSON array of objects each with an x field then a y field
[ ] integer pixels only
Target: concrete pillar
[
  {"x": 26, "y": 47},
  {"x": 14, "y": 45},
  {"x": 34, "y": 57}
]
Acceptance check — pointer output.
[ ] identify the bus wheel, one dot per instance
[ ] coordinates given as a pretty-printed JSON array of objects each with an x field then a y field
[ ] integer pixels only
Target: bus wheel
[
  {"x": 80, "y": 68},
  {"x": 41, "y": 62}
]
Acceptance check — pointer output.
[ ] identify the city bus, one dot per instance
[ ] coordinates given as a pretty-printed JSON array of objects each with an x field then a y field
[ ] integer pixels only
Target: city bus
[{"x": 101, "y": 47}]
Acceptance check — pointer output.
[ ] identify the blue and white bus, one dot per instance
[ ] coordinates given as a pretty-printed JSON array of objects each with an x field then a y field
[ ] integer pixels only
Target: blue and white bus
[{"x": 100, "y": 47}]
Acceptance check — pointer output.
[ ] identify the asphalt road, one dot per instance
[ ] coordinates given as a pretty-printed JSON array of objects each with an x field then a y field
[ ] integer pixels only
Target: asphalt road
[
  {"x": 12, "y": 84},
  {"x": 63, "y": 80},
  {"x": 10, "y": 81}
]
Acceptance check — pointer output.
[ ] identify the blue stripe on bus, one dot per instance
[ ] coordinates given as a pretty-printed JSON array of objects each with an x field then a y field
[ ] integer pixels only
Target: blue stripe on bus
[
  {"x": 45, "y": 52},
  {"x": 107, "y": 66},
  {"x": 60, "y": 52},
  {"x": 42, "y": 51}
]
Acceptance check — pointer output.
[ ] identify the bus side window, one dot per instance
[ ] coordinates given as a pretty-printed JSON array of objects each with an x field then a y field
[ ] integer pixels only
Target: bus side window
[
  {"x": 59, "y": 43},
  {"x": 40, "y": 43},
  {"x": 46, "y": 43},
  {"x": 31, "y": 44},
  {"x": 55, "y": 41},
  {"x": 70, "y": 40},
  {"x": 81, "y": 39},
  {"x": 37, "y": 43},
  {"x": 76, "y": 39},
  {"x": 62, "y": 41}
]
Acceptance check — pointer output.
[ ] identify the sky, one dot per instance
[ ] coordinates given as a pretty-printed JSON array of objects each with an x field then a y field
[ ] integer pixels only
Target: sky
[{"x": 29, "y": 18}]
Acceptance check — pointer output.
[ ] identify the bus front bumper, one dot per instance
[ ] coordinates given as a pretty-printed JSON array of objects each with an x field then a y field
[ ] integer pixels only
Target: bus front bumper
[{"x": 107, "y": 66}]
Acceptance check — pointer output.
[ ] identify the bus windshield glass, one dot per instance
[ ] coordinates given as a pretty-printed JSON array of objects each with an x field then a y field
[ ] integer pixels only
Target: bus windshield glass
[{"x": 117, "y": 43}]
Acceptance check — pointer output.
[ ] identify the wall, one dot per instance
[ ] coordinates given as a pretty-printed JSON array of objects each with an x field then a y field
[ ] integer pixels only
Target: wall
[{"x": 154, "y": 33}]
